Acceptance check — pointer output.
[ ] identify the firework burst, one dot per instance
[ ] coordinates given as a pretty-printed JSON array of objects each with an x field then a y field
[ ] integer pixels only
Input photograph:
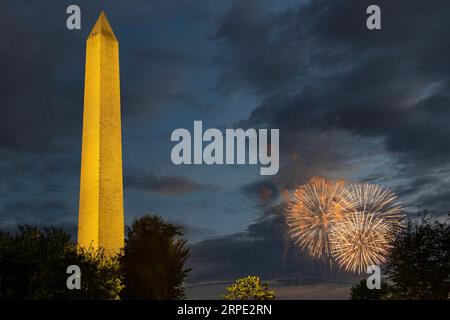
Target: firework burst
[
  {"x": 377, "y": 200},
  {"x": 361, "y": 239},
  {"x": 311, "y": 213},
  {"x": 354, "y": 226}
]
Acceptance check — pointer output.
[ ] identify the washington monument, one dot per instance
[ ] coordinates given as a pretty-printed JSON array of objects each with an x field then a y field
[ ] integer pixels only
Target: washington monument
[{"x": 100, "y": 217}]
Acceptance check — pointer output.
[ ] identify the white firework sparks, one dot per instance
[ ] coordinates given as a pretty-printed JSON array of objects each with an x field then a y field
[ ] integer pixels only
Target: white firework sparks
[
  {"x": 361, "y": 240},
  {"x": 370, "y": 221},
  {"x": 377, "y": 200}
]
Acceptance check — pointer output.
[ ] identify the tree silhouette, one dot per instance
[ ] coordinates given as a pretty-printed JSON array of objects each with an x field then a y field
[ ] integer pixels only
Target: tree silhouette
[
  {"x": 419, "y": 263},
  {"x": 154, "y": 260},
  {"x": 360, "y": 291},
  {"x": 33, "y": 265}
]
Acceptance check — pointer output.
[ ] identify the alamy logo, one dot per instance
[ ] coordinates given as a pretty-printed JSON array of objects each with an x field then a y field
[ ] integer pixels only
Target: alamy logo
[
  {"x": 73, "y": 21},
  {"x": 74, "y": 280},
  {"x": 260, "y": 147},
  {"x": 373, "y": 22},
  {"x": 374, "y": 280}
]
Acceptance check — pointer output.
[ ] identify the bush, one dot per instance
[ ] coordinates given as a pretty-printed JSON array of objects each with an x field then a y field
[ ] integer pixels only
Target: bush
[
  {"x": 361, "y": 292},
  {"x": 249, "y": 288}
]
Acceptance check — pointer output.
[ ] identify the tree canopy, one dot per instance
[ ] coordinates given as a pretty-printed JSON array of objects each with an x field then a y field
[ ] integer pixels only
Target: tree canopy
[
  {"x": 33, "y": 265},
  {"x": 360, "y": 291},
  {"x": 154, "y": 260},
  {"x": 34, "y": 262},
  {"x": 419, "y": 264},
  {"x": 249, "y": 288}
]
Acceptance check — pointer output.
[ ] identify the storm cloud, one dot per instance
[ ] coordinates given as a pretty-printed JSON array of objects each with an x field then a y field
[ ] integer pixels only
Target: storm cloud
[{"x": 320, "y": 71}]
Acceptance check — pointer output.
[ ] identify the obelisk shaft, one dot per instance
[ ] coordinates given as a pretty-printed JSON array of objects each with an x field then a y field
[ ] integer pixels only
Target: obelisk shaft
[{"x": 101, "y": 221}]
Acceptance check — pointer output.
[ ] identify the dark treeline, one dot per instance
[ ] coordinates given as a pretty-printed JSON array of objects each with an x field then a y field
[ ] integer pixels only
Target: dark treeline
[
  {"x": 418, "y": 267},
  {"x": 34, "y": 262}
]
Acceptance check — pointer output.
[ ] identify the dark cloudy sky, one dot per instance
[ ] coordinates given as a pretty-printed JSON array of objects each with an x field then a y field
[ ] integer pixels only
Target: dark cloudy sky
[{"x": 350, "y": 103}]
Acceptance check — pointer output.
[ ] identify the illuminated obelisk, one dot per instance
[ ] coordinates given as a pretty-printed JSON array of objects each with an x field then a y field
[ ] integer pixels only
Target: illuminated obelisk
[{"x": 100, "y": 220}]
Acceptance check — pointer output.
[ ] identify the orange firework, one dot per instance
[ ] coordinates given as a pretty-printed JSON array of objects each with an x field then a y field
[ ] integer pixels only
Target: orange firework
[
  {"x": 353, "y": 226},
  {"x": 311, "y": 213}
]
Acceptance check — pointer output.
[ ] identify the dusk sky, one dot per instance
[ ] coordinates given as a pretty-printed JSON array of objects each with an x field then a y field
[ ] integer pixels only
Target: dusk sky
[{"x": 365, "y": 106}]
